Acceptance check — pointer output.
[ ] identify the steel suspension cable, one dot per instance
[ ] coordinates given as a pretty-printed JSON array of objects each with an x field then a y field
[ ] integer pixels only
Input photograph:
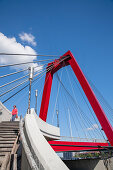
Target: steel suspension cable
[
  {"x": 16, "y": 87},
  {"x": 75, "y": 98},
  {"x": 18, "y": 71},
  {"x": 72, "y": 98},
  {"x": 85, "y": 117},
  {"x": 103, "y": 101},
  {"x": 13, "y": 73},
  {"x": 48, "y": 69},
  {"x": 14, "y": 81},
  {"x": 72, "y": 117},
  {"x": 27, "y": 86},
  {"x": 67, "y": 101},
  {"x": 13, "y": 88},
  {"x": 82, "y": 121},
  {"x": 15, "y": 94},
  {"x": 76, "y": 116},
  {"x": 56, "y": 98},
  {"x": 41, "y": 55},
  {"x": 82, "y": 113},
  {"x": 20, "y": 90},
  {"x": 88, "y": 107},
  {"x": 32, "y": 82},
  {"x": 101, "y": 98},
  {"x": 25, "y": 63},
  {"x": 20, "y": 78}
]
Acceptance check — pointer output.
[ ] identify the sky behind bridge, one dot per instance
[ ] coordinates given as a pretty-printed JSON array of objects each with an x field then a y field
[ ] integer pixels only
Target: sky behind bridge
[{"x": 55, "y": 26}]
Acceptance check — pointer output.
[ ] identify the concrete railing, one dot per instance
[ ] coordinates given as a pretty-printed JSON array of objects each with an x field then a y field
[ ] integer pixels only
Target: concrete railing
[
  {"x": 49, "y": 132},
  {"x": 40, "y": 151},
  {"x": 5, "y": 114},
  {"x": 27, "y": 158}
]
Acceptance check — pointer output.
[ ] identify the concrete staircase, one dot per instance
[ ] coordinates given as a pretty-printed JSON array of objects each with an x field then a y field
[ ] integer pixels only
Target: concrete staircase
[{"x": 9, "y": 134}]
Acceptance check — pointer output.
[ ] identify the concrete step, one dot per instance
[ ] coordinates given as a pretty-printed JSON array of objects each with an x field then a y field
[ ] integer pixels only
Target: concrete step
[
  {"x": 9, "y": 127},
  {"x": 8, "y": 136},
  {"x": 4, "y": 131},
  {"x": 10, "y": 122},
  {"x": 3, "y": 153},
  {"x": 9, "y": 130},
  {"x": 6, "y": 142},
  {"x": 12, "y": 125},
  {"x": 6, "y": 145},
  {"x": 14, "y": 122},
  {"x": 9, "y": 133},
  {"x": 5, "y": 149},
  {"x": 7, "y": 139}
]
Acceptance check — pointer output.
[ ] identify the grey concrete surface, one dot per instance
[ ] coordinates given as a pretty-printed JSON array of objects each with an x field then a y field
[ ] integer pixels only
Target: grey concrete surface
[
  {"x": 38, "y": 154},
  {"x": 42, "y": 153},
  {"x": 49, "y": 132},
  {"x": 27, "y": 160},
  {"x": 90, "y": 164},
  {"x": 5, "y": 114}
]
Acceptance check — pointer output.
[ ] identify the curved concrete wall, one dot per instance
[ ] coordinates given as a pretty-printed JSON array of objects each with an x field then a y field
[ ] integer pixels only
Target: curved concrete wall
[
  {"x": 5, "y": 114},
  {"x": 42, "y": 152},
  {"x": 49, "y": 132},
  {"x": 27, "y": 161}
]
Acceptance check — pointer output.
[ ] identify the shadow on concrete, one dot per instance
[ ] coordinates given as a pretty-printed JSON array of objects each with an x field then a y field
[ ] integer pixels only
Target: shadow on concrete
[{"x": 83, "y": 164}]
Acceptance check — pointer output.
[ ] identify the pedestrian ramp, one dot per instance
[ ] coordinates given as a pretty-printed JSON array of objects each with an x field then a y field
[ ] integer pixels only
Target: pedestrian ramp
[{"x": 37, "y": 153}]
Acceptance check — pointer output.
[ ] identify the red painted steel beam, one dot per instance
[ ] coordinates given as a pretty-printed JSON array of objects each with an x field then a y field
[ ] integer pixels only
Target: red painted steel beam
[
  {"x": 106, "y": 126},
  {"x": 62, "y": 146},
  {"x": 57, "y": 64},
  {"x": 46, "y": 96}
]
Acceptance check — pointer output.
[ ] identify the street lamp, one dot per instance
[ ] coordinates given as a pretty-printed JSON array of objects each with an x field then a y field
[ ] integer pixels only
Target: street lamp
[
  {"x": 57, "y": 118},
  {"x": 31, "y": 72},
  {"x": 36, "y": 94}
]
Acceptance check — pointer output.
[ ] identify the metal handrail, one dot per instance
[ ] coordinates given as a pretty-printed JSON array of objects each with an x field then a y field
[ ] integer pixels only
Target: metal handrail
[{"x": 77, "y": 139}]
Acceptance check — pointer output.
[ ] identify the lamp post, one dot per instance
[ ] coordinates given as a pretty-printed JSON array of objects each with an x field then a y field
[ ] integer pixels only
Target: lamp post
[
  {"x": 36, "y": 94},
  {"x": 31, "y": 72},
  {"x": 57, "y": 118},
  {"x": 70, "y": 125}
]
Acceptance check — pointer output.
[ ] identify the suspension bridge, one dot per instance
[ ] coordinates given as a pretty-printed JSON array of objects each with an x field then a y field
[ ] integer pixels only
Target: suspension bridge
[{"x": 83, "y": 117}]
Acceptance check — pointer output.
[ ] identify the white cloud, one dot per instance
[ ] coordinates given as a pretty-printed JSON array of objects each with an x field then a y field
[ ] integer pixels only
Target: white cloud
[
  {"x": 94, "y": 126},
  {"x": 10, "y": 45},
  {"x": 28, "y": 38}
]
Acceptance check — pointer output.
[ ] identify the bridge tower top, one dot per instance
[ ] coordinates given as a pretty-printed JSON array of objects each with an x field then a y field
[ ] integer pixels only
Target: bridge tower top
[{"x": 68, "y": 59}]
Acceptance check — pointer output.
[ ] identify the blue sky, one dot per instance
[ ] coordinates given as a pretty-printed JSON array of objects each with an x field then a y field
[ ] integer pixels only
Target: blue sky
[{"x": 84, "y": 27}]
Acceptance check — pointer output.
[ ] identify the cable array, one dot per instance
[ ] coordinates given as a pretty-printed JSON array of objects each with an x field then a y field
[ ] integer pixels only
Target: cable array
[
  {"x": 81, "y": 120},
  {"x": 41, "y": 55},
  {"x": 39, "y": 74},
  {"x": 85, "y": 121}
]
